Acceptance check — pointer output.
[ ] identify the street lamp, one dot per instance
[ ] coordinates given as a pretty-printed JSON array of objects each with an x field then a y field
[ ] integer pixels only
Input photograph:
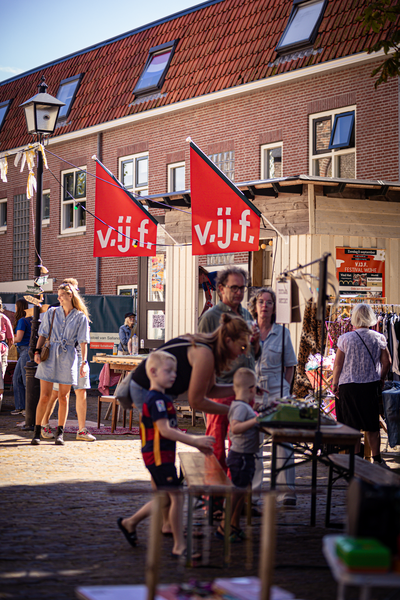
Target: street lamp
[{"x": 41, "y": 113}]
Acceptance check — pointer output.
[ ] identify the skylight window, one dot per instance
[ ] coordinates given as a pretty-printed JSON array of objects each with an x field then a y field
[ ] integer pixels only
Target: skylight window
[
  {"x": 156, "y": 67},
  {"x": 302, "y": 28},
  {"x": 342, "y": 131},
  {"x": 66, "y": 93},
  {"x": 3, "y": 111}
]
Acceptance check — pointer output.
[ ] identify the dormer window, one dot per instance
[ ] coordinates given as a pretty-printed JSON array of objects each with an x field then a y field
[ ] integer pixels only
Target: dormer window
[
  {"x": 156, "y": 67},
  {"x": 4, "y": 106},
  {"x": 302, "y": 28},
  {"x": 66, "y": 93}
]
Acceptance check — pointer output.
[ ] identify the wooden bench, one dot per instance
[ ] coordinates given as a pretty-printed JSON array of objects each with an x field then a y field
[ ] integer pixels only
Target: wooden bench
[
  {"x": 369, "y": 472},
  {"x": 205, "y": 476}
]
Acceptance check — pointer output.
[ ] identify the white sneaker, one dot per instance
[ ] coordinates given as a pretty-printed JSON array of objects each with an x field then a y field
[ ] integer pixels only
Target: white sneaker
[
  {"x": 47, "y": 432},
  {"x": 83, "y": 434}
]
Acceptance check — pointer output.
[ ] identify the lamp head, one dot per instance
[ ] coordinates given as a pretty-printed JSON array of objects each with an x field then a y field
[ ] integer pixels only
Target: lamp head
[{"x": 41, "y": 111}]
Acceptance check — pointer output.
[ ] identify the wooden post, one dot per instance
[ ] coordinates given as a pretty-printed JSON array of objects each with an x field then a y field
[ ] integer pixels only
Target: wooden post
[
  {"x": 154, "y": 546},
  {"x": 267, "y": 550}
]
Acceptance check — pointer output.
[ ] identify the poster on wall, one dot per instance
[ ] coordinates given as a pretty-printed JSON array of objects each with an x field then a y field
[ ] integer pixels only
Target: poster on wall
[{"x": 361, "y": 271}]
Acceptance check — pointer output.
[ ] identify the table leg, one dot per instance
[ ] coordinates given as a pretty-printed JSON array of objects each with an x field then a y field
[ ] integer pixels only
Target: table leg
[
  {"x": 313, "y": 489},
  {"x": 273, "y": 466},
  {"x": 351, "y": 463},
  {"x": 329, "y": 497},
  {"x": 189, "y": 533},
  {"x": 365, "y": 592},
  {"x": 341, "y": 591}
]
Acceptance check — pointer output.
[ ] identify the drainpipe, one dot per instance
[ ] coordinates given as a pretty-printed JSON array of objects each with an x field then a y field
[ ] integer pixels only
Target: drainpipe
[{"x": 98, "y": 259}]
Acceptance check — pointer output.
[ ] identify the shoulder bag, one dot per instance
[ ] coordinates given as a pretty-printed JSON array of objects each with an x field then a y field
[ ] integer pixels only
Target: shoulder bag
[
  {"x": 45, "y": 353},
  {"x": 378, "y": 386},
  {"x": 123, "y": 392}
]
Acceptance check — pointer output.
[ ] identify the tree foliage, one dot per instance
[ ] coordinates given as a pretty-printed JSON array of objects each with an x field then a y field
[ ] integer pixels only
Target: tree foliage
[{"x": 375, "y": 17}]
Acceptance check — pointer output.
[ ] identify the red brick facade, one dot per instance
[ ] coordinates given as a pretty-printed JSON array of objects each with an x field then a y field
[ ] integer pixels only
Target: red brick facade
[{"x": 239, "y": 123}]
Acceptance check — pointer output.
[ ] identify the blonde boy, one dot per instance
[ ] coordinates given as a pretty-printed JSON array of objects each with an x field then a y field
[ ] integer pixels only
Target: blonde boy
[
  {"x": 159, "y": 433},
  {"x": 244, "y": 436}
]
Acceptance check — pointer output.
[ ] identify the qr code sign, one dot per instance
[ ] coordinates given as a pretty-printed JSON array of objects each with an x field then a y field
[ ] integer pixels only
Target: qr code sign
[{"x": 159, "y": 321}]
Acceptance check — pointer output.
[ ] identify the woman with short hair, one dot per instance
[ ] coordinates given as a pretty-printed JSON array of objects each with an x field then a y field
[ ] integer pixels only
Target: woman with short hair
[{"x": 361, "y": 365}]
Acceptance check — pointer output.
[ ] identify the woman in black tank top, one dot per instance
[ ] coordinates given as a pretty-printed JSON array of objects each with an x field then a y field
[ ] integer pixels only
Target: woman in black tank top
[{"x": 200, "y": 357}]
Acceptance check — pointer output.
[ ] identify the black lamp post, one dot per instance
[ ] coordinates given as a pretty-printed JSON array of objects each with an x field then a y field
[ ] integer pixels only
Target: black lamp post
[{"x": 41, "y": 113}]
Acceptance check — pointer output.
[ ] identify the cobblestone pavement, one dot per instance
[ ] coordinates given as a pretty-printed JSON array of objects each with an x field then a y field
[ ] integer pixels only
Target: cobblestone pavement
[{"x": 58, "y": 521}]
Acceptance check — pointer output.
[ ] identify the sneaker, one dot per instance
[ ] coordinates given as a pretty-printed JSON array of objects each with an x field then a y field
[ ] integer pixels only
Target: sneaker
[
  {"x": 83, "y": 434},
  {"x": 17, "y": 411},
  {"x": 47, "y": 432}
]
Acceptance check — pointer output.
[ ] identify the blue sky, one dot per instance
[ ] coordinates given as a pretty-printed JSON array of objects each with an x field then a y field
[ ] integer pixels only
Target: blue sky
[{"x": 35, "y": 33}]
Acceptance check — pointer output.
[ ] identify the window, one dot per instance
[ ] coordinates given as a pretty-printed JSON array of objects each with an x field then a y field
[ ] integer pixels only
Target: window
[
  {"x": 134, "y": 173},
  {"x": 342, "y": 131},
  {"x": 66, "y": 93},
  {"x": 271, "y": 161},
  {"x": 73, "y": 216},
  {"x": 155, "y": 69},
  {"x": 21, "y": 238},
  {"x": 3, "y": 215},
  {"x": 129, "y": 290},
  {"x": 176, "y": 177},
  {"x": 302, "y": 28},
  {"x": 46, "y": 207},
  {"x": 4, "y": 106},
  {"x": 332, "y": 144},
  {"x": 226, "y": 162}
]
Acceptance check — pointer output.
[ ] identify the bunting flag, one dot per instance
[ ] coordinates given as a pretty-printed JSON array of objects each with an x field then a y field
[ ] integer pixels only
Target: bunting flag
[
  {"x": 133, "y": 230},
  {"x": 223, "y": 219}
]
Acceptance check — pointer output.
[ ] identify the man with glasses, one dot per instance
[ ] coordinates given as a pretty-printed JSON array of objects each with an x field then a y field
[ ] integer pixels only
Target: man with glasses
[{"x": 231, "y": 286}]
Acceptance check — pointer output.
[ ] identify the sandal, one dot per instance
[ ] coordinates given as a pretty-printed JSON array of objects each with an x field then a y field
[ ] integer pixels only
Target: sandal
[
  {"x": 195, "y": 555},
  {"x": 234, "y": 536},
  {"x": 131, "y": 538}
]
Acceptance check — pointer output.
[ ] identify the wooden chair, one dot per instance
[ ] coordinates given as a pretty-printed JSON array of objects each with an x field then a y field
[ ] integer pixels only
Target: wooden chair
[{"x": 115, "y": 405}]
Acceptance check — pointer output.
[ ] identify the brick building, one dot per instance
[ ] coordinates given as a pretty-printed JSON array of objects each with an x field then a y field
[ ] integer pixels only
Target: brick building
[{"x": 269, "y": 89}]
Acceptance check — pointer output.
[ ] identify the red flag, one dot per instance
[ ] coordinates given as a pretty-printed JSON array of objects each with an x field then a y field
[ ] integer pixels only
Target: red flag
[
  {"x": 223, "y": 219},
  {"x": 135, "y": 229}
]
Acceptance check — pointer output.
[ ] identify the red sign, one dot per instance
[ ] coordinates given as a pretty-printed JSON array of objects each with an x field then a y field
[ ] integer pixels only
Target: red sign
[
  {"x": 361, "y": 271},
  {"x": 123, "y": 227},
  {"x": 223, "y": 219}
]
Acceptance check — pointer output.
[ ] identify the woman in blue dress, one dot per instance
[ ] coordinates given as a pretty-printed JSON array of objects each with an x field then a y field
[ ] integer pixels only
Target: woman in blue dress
[{"x": 70, "y": 326}]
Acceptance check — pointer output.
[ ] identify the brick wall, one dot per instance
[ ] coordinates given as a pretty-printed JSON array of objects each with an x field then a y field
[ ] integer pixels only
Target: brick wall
[{"x": 242, "y": 124}]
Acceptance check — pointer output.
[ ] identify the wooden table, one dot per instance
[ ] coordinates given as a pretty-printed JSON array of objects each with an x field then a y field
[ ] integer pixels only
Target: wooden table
[
  {"x": 365, "y": 581},
  {"x": 120, "y": 363},
  {"x": 311, "y": 446}
]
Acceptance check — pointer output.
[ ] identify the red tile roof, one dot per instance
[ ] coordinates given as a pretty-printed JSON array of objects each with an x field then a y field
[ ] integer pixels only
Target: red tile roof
[{"x": 222, "y": 43}]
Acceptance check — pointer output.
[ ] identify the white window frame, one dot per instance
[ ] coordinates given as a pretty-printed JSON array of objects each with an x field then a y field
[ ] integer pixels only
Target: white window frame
[
  {"x": 335, "y": 153},
  {"x": 171, "y": 169},
  {"x": 74, "y": 229},
  {"x": 137, "y": 190},
  {"x": 264, "y": 149},
  {"x": 3, "y": 228},
  {"x": 45, "y": 222}
]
